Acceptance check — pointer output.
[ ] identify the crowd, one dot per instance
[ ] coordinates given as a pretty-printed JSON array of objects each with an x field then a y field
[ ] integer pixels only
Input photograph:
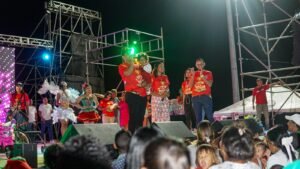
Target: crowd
[{"x": 232, "y": 147}]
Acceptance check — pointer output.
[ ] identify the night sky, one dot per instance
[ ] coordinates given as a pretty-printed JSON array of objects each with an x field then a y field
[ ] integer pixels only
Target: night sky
[{"x": 192, "y": 28}]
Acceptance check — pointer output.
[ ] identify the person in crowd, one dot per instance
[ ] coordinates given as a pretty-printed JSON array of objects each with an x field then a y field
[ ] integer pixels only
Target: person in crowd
[
  {"x": 84, "y": 152},
  {"x": 116, "y": 100},
  {"x": 160, "y": 93},
  {"x": 201, "y": 83},
  {"x": 87, "y": 102},
  {"x": 187, "y": 100},
  {"x": 108, "y": 106},
  {"x": 135, "y": 87},
  {"x": 63, "y": 113},
  {"x": 140, "y": 139},
  {"x": 17, "y": 163},
  {"x": 293, "y": 123},
  {"x": 124, "y": 112},
  {"x": 45, "y": 112},
  {"x": 206, "y": 156},
  {"x": 51, "y": 155},
  {"x": 237, "y": 144},
  {"x": 260, "y": 98},
  {"x": 165, "y": 153},
  {"x": 261, "y": 155},
  {"x": 147, "y": 117},
  {"x": 205, "y": 135},
  {"x": 146, "y": 70},
  {"x": 19, "y": 103},
  {"x": 32, "y": 116},
  {"x": 282, "y": 146},
  {"x": 122, "y": 140}
]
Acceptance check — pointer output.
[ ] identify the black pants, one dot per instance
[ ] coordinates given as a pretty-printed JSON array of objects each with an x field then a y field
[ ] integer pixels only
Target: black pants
[
  {"x": 137, "y": 108},
  {"x": 189, "y": 112}
]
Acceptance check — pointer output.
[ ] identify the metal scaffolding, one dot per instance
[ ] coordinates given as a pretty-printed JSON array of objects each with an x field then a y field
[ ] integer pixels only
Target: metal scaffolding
[
  {"x": 255, "y": 24},
  {"x": 151, "y": 44},
  {"x": 65, "y": 20},
  {"x": 60, "y": 22}
]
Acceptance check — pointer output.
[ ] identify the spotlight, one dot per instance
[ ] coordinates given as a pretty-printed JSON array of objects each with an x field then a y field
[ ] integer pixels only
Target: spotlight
[{"x": 46, "y": 56}]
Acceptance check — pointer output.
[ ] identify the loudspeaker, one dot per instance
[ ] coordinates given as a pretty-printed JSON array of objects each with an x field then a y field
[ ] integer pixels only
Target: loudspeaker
[
  {"x": 105, "y": 132},
  {"x": 28, "y": 151},
  {"x": 250, "y": 123},
  {"x": 175, "y": 129}
]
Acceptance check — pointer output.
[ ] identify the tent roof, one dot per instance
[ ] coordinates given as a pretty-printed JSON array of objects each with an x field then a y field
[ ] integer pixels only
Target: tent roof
[{"x": 280, "y": 101}]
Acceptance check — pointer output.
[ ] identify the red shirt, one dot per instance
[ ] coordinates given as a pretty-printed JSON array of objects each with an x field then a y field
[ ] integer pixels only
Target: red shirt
[
  {"x": 160, "y": 84},
  {"x": 186, "y": 88},
  {"x": 260, "y": 94},
  {"x": 19, "y": 99},
  {"x": 105, "y": 104},
  {"x": 132, "y": 81},
  {"x": 200, "y": 87}
]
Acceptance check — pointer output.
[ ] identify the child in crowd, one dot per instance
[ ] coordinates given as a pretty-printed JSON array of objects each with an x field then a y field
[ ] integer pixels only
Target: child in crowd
[
  {"x": 262, "y": 153},
  {"x": 206, "y": 156}
]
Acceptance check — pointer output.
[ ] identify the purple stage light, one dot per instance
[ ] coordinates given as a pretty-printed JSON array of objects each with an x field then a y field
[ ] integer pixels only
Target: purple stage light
[{"x": 7, "y": 79}]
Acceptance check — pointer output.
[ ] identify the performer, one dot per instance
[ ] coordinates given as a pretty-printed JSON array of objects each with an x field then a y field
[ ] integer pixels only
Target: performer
[
  {"x": 135, "y": 90},
  {"x": 64, "y": 113},
  {"x": 160, "y": 93},
  {"x": 45, "y": 111},
  {"x": 19, "y": 103},
  {"x": 87, "y": 103},
  {"x": 187, "y": 100},
  {"x": 201, "y": 82},
  {"x": 32, "y": 116},
  {"x": 259, "y": 94},
  {"x": 108, "y": 106},
  {"x": 124, "y": 112},
  {"x": 115, "y": 99}
]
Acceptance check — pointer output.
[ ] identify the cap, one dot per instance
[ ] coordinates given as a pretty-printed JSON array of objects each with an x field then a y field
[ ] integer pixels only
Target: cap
[
  {"x": 295, "y": 118},
  {"x": 19, "y": 84}
]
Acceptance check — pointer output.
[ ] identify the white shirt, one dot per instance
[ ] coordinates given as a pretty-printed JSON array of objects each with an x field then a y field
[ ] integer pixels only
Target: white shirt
[
  {"x": 31, "y": 114},
  {"x": 233, "y": 165},
  {"x": 278, "y": 158},
  {"x": 45, "y": 110}
]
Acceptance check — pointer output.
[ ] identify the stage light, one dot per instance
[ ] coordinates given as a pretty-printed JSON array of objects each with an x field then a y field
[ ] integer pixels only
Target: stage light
[{"x": 46, "y": 56}]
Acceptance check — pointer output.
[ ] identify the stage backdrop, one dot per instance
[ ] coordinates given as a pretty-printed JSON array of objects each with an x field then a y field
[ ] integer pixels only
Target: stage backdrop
[{"x": 7, "y": 78}]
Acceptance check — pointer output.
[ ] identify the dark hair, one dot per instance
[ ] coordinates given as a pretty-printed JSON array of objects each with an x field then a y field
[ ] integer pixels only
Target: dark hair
[
  {"x": 143, "y": 55},
  {"x": 84, "y": 152},
  {"x": 122, "y": 140},
  {"x": 205, "y": 127},
  {"x": 275, "y": 135},
  {"x": 277, "y": 166},
  {"x": 238, "y": 143},
  {"x": 51, "y": 155},
  {"x": 165, "y": 153},
  {"x": 108, "y": 93},
  {"x": 295, "y": 143},
  {"x": 155, "y": 70},
  {"x": 141, "y": 138}
]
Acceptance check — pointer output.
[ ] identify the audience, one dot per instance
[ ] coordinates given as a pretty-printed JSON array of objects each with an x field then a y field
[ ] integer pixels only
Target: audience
[
  {"x": 293, "y": 123},
  {"x": 122, "y": 139},
  {"x": 206, "y": 156},
  {"x": 237, "y": 144},
  {"x": 84, "y": 152},
  {"x": 164, "y": 153},
  {"x": 51, "y": 155},
  {"x": 141, "y": 138},
  {"x": 273, "y": 140}
]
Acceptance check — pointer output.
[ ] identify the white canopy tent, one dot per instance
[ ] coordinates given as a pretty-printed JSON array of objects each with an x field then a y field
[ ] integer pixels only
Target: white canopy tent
[{"x": 283, "y": 100}]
